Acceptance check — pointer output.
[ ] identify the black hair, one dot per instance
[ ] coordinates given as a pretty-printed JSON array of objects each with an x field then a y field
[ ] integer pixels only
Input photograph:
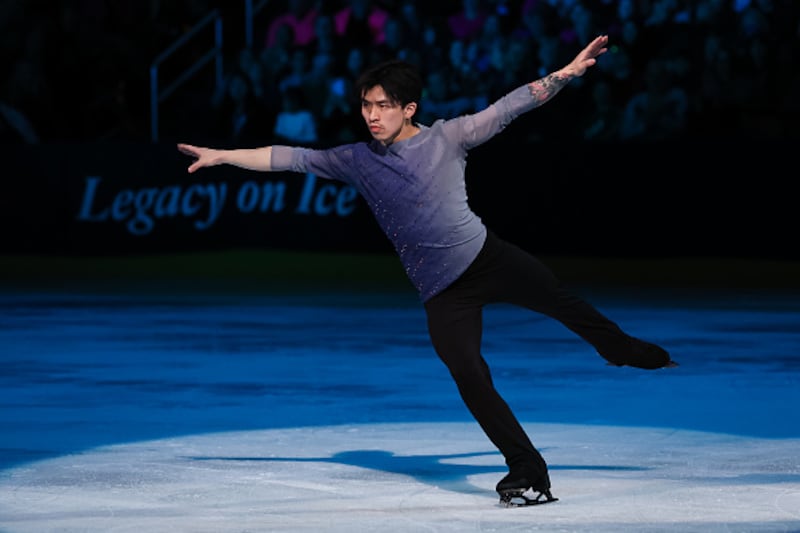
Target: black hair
[{"x": 400, "y": 80}]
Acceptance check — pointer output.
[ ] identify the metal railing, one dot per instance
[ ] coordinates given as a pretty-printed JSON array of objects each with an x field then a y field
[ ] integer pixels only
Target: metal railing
[
  {"x": 250, "y": 11},
  {"x": 158, "y": 94}
]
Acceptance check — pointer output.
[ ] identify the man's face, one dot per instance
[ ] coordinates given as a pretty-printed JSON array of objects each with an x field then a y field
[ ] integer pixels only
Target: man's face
[{"x": 387, "y": 120}]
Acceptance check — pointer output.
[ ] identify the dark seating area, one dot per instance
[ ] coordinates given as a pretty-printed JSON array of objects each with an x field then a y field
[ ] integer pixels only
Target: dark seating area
[{"x": 707, "y": 69}]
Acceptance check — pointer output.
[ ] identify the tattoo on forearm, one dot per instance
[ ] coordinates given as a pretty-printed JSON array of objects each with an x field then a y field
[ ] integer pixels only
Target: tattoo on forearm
[{"x": 545, "y": 88}]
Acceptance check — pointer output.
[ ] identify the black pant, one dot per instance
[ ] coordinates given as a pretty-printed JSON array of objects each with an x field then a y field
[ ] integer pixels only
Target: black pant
[{"x": 503, "y": 272}]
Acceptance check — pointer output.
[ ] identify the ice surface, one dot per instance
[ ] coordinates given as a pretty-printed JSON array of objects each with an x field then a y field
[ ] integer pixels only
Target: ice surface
[{"x": 149, "y": 412}]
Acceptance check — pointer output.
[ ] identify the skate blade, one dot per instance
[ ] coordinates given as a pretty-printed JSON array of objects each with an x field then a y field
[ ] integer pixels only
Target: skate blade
[{"x": 525, "y": 498}]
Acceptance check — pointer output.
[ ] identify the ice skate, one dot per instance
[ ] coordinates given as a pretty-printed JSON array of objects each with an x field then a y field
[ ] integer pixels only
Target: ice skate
[
  {"x": 642, "y": 354},
  {"x": 516, "y": 490}
]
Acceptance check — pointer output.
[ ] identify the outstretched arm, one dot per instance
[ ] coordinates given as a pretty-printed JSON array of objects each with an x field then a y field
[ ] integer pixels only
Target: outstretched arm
[
  {"x": 248, "y": 158},
  {"x": 545, "y": 88},
  {"x": 487, "y": 123}
]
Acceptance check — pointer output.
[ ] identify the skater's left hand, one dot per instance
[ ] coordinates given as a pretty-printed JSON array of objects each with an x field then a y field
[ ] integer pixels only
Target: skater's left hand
[{"x": 587, "y": 57}]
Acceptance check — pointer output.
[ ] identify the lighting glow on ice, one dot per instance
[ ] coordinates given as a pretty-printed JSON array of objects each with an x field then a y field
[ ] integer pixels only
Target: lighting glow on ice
[{"x": 222, "y": 412}]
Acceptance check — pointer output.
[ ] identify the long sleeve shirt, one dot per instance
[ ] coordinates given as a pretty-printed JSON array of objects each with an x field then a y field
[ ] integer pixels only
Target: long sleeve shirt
[{"x": 416, "y": 188}]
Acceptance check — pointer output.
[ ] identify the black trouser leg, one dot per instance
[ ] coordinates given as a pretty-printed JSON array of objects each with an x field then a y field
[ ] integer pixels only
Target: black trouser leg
[
  {"x": 503, "y": 272},
  {"x": 515, "y": 276},
  {"x": 521, "y": 279},
  {"x": 455, "y": 330}
]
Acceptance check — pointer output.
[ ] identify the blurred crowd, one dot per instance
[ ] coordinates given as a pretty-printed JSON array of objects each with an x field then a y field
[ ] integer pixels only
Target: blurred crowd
[{"x": 78, "y": 69}]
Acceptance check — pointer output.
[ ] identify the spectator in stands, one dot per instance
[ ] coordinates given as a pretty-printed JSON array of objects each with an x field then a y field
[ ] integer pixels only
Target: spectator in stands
[
  {"x": 300, "y": 15},
  {"x": 466, "y": 23},
  {"x": 320, "y": 79},
  {"x": 327, "y": 42},
  {"x": 707, "y": 13},
  {"x": 395, "y": 43},
  {"x": 361, "y": 23},
  {"x": 276, "y": 58},
  {"x": 433, "y": 48},
  {"x": 109, "y": 46},
  {"x": 412, "y": 20},
  {"x": 239, "y": 114},
  {"x": 603, "y": 122},
  {"x": 337, "y": 122},
  {"x": 298, "y": 71},
  {"x": 659, "y": 110},
  {"x": 482, "y": 49},
  {"x": 538, "y": 20},
  {"x": 660, "y": 12},
  {"x": 253, "y": 68},
  {"x": 463, "y": 77},
  {"x": 295, "y": 123},
  {"x": 583, "y": 22},
  {"x": 438, "y": 100},
  {"x": 355, "y": 62}
]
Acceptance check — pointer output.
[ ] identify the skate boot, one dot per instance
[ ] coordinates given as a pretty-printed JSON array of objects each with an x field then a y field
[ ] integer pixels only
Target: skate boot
[
  {"x": 642, "y": 354},
  {"x": 522, "y": 487}
]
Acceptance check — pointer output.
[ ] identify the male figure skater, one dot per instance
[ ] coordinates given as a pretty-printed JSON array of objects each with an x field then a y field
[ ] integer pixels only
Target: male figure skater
[{"x": 413, "y": 178}]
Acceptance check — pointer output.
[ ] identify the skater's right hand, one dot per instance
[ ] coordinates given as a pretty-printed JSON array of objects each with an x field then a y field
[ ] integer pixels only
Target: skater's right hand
[{"x": 204, "y": 157}]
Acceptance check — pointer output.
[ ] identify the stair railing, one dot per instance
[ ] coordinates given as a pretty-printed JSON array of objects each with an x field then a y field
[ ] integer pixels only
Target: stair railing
[{"x": 158, "y": 94}]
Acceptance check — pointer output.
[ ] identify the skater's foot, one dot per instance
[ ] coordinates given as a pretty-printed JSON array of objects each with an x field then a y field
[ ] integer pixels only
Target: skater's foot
[
  {"x": 643, "y": 354},
  {"x": 523, "y": 486},
  {"x": 524, "y": 477}
]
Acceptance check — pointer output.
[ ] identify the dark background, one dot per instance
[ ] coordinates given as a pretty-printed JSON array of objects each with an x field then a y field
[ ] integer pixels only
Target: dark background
[{"x": 720, "y": 183}]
